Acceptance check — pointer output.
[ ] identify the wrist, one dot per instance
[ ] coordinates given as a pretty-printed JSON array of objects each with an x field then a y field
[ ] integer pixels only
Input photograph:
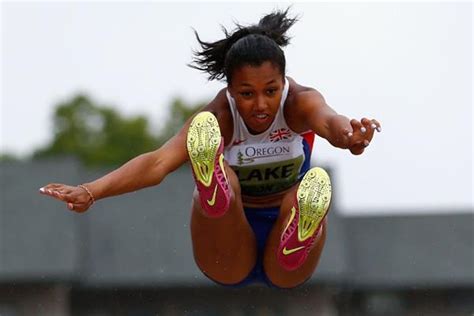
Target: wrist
[
  {"x": 96, "y": 188},
  {"x": 338, "y": 124},
  {"x": 88, "y": 191}
]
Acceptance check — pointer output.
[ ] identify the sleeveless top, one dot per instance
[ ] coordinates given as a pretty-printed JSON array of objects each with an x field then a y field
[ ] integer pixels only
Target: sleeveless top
[{"x": 269, "y": 162}]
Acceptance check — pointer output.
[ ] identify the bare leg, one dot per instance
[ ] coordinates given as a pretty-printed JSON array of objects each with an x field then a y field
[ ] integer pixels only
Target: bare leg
[
  {"x": 277, "y": 274},
  {"x": 224, "y": 248}
]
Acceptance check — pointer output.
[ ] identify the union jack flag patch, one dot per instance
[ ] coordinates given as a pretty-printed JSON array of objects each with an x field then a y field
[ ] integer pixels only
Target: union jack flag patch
[{"x": 280, "y": 134}]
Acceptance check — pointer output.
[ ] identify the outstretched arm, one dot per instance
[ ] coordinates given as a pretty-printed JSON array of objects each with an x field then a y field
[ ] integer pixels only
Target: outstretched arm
[
  {"x": 339, "y": 130},
  {"x": 143, "y": 171}
]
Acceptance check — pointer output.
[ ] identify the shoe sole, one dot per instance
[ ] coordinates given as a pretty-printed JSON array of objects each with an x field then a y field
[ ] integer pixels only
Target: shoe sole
[
  {"x": 313, "y": 198},
  {"x": 203, "y": 140}
]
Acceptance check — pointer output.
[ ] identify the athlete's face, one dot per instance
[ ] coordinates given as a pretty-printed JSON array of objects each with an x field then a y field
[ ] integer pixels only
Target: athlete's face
[{"x": 257, "y": 91}]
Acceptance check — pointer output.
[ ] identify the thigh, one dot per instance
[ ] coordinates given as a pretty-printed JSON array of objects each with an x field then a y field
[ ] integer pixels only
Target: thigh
[
  {"x": 275, "y": 273},
  {"x": 224, "y": 248}
]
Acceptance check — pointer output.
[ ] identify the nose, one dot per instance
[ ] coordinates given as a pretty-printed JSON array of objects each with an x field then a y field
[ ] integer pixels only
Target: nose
[{"x": 260, "y": 103}]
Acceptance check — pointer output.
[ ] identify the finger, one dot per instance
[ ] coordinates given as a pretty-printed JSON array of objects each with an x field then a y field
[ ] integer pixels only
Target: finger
[
  {"x": 68, "y": 198},
  {"x": 53, "y": 186},
  {"x": 50, "y": 188},
  {"x": 344, "y": 138},
  {"x": 372, "y": 124},
  {"x": 367, "y": 124},
  {"x": 359, "y": 146},
  {"x": 370, "y": 128},
  {"x": 65, "y": 191},
  {"x": 74, "y": 206},
  {"x": 378, "y": 127},
  {"x": 45, "y": 190},
  {"x": 362, "y": 144},
  {"x": 357, "y": 150},
  {"x": 356, "y": 126},
  {"x": 49, "y": 192},
  {"x": 78, "y": 208},
  {"x": 82, "y": 209},
  {"x": 56, "y": 194},
  {"x": 347, "y": 132}
]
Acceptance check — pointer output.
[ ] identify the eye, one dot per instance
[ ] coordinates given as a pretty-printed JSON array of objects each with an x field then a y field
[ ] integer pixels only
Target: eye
[
  {"x": 271, "y": 91},
  {"x": 246, "y": 94}
]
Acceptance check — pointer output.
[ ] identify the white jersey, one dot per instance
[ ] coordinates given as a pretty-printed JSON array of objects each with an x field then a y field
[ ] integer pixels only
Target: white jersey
[{"x": 269, "y": 162}]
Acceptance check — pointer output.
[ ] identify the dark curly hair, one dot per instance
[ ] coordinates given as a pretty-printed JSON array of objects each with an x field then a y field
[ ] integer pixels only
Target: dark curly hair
[{"x": 246, "y": 45}]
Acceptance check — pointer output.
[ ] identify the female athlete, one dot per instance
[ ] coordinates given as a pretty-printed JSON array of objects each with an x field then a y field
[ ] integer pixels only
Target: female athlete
[{"x": 259, "y": 211}]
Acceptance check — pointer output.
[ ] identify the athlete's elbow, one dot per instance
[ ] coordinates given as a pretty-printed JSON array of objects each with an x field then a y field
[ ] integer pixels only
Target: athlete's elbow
[{"x": 158, "y": 172}]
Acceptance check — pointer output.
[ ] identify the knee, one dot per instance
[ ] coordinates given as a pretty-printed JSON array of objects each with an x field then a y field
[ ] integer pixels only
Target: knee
[
  {"x": 232, "y": 274},
  {"x": 289, "y": 281}
]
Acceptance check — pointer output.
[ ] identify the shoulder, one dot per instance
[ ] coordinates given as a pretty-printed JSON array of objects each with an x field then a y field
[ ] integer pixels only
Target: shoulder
[
  {"x": 301, "y": 103},
  {"x": 219, "y": 103},
  {"x": 299, "y": 95},
  {"x": 219, "y": 106}
]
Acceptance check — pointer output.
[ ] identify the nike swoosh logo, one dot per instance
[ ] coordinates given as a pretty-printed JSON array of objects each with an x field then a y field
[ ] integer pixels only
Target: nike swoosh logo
[
  {"x": 212, "y": 201},
  {"x": 292, "y": 216},
  {"x": 287, "y": 252}
]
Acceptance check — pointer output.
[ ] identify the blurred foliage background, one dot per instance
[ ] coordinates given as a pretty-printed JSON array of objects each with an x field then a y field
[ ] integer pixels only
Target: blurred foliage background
[{"x": 100, "y": 136}]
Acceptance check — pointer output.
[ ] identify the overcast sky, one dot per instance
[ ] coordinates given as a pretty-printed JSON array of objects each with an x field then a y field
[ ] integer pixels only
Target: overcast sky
[{"x": 407, "y": 65}]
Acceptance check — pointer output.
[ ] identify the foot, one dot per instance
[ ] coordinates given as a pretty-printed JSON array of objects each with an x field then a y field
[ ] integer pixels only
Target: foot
[
  {"x": 311, "y": 207},
  {"x": 205, "y": 149}
]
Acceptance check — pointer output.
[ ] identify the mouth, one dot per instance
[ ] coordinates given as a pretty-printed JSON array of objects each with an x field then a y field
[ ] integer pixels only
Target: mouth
[
  {"x": 261, "y": 117},
  {"x": 261, "y": 121},
  {"x": 258, "y": 122}
]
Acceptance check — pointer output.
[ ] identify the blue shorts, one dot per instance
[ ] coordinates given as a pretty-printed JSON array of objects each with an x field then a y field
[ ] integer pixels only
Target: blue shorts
[{"x": 261, "y": 220}]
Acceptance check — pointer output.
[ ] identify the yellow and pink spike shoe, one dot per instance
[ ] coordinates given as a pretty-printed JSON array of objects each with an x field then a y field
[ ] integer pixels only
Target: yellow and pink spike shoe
[
  {"x": 311, "y": 207},
  {"x": 205, "y": 147}
]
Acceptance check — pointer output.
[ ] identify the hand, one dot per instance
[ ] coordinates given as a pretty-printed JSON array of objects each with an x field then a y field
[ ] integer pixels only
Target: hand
[
  {"x": 352, "y": 134},
  {"x": 360, "y": 134},
  {"x": 77, "y": 198}
]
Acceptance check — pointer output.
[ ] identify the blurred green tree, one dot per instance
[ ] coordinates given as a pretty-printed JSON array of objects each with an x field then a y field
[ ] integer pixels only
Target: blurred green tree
[
  {"x": 179, "y": 113},
  {"x": 8, "y": 157},
  {"x": 100, "y": 136}
]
